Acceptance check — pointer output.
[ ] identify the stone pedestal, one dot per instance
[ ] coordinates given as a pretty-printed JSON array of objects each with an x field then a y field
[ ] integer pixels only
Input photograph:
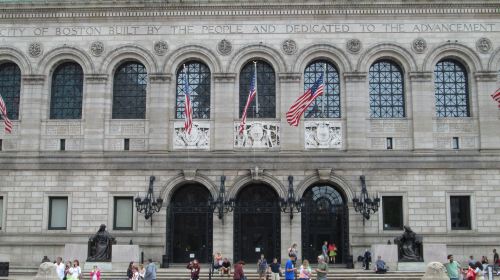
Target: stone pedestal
[
  {"x": 75, "y": 251},
  {"x": 389, "y": 254},
  {"x": 412, "y": 266},
  {"x": 122, "y": 255},
  {"x": 103, "y": 266},
  {"x": 435, "y": 252},
  {"x": 435, "y": 271}
]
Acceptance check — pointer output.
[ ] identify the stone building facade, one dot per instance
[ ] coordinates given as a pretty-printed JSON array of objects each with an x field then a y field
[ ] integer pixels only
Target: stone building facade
[{"x": 433, "y": 158}]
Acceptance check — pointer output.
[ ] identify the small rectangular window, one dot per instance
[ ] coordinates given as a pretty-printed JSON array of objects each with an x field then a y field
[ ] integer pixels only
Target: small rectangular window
[
  {"x": 389, "y": 143},
  {"x": 126, "y": 144},
  {"x": 456, "y": 144},
  {"x": 123, "y": 214},
  {"x": 1, "y": 212},
  {"x": 460, "y": 212},
  {"x": 1, "y": 144},
  {"x": 58, "y": 212},
  {"x": 392, "y": 211},
  {"x": 62, "y": 144}
]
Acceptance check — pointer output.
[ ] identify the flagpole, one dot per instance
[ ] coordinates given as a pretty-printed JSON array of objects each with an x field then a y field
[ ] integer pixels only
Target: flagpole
[
  {"x": 324, "y": 94},
  {"x": 256, "y": 91}
]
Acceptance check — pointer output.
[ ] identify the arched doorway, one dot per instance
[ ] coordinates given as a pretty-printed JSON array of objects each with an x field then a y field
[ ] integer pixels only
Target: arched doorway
[
  {"x": 257, "y": 223},
  {"x": 324, "y": 218},
  {"x": 190, "y": 224}
]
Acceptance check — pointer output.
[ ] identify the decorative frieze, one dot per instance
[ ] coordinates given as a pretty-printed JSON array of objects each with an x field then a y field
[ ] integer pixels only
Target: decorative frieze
[
  {"x": 257, "y": 134},
  {"x": 323, "y": 135},
  {"x": 198, "y": 139}
]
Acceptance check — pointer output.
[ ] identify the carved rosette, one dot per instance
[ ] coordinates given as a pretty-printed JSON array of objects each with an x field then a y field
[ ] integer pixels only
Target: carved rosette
[
  {"x": 35, "y": 49},
  {"x": 419, "y": 45},
  {"x": 353, "y": 46},
  {"x": 483, "y": 45},
  {"x": 97, "y": 48},
  {"x": 198, "y": 139},
  {"x": 257, "y": 134},
  {"x": 160, "y": 47},
  {"x": 323, "y": 135},
  {"x": 224, "y": 47},
  {"x": 289, "y": 47}
]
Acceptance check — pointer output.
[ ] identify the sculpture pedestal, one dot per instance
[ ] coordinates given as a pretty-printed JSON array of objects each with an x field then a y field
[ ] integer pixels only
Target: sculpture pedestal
[
  {"x": 434, "y": 252},
  {"x": 103, "y": 266},
  {"x": 75, "y": 251},
  {"x": 412, "y": 266},
  {"x": 122, "y": 255}
]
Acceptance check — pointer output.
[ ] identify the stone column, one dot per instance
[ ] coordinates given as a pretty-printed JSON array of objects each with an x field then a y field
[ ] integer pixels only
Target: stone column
[
  {"x": 422, "y": 94},
  {"x": 223, "y": 111},
  {"x": 95, "y": 107},
  {"x": 31, "y": 108},
  {"x": 357, "y": 110},
  {"x": 488, "y": 110},
  {"x": 159, "y": 124},
  {"x": 292, "y": 138}
]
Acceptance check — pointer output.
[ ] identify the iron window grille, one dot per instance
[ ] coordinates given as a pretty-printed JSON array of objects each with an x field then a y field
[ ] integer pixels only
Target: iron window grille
[
  {"x": 451, "y": 89},
  {"x": 328, "y": 104},
  {"x": 10, "y": 88},
  {"x": 266, "y": 90},
  {"x": 199, "y": 89},
  {"x": 67, "y": 92},
  {"x": 129, "y": 91},
  {"x": 386, "y": 90}
]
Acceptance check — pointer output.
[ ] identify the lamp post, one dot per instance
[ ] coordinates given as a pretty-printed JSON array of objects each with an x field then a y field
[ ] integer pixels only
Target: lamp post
[
  {"x": 364, "y": 204},
  {"x": 221, "y": 205},
  {"x": 148, "y": 205},
  {"x": 290, "y": 204}
]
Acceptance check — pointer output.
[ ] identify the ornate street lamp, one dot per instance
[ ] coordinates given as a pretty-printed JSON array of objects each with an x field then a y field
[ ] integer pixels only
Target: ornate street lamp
[
  {"x": 221, "y": 205},
  {"x": 290, "y": 204},
  {"x": 364, "y": 204},
  {"x": 148, "y": 205}
]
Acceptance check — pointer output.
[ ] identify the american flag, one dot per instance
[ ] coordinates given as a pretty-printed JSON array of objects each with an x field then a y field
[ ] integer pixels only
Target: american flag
[
  {"x": 6, "y": 121},
  {"x": 188, "y": 109},
  {"x": 302, "y": 103},
  {"x": 496, "y": 96},
  {"x": 251, "y": 96}
]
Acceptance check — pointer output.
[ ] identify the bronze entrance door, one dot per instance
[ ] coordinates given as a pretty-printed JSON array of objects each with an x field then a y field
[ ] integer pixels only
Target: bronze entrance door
[{"x": 257, "y": 226}]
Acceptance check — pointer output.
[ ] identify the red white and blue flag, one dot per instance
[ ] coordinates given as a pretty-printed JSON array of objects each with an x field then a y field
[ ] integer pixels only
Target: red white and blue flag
[
  {"x": 496, "y": 96},
  {"x": 188, "y": 108},
  {"x": 3, "y": 112},
  {"x": 302, "y": 103},
  {"x": 251, "y": 96}
]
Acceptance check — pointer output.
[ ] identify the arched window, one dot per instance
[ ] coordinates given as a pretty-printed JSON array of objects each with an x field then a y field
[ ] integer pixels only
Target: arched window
[
  {"x": 386, "y": 90},
  {"x": 67, "y": 92},
  {"x": 451, "y": 89},
  {"x": 199, "y": 90},
  {"x": 129, "y": 91},
  {"x": 10, "y": 88},
  {"x": 328, "y": 104},
  {"x": 266, "y": 90}
]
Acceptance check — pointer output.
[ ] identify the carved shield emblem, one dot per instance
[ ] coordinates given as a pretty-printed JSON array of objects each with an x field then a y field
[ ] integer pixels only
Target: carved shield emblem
[{"x": 323, "y": 133}]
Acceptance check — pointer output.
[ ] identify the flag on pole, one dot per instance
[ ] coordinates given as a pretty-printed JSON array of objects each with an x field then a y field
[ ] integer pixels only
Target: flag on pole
[
  {"x": 188, "y": 109},
  {"x": 251, "y": 96},
  {"x": 3, "y": 112},
  {"x": 302, "y": 103},
  {"x": 496, "y": 96}
]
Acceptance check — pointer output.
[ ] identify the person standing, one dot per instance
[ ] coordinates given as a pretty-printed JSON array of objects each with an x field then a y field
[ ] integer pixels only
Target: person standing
[
  {"x": 129, "y": 270},
  {"x": 324, "y": 250},
  {"x": 275, "y": 269},
  {"x": 75, "y": 271},
  {"x": 150, "y": 271},
  {"x": 305, "y": 271},
  {"x": 292, "y": 251},
  {"x": 60, "y": 268},
  {"x": 367, "y": 259},
  {"x": 290, "y": 269},
  {"x": 95, "y": 274},
  {"x": 452, "y": 268},
  {"x": 322, "y": 269},
  {"x": 262, "y": 267},
  {"x": 194, "y": 267},
  {"x": 239, "y": 274},
  {"x": 332, "y": 252},
  {"x": 496, "y": 261}
]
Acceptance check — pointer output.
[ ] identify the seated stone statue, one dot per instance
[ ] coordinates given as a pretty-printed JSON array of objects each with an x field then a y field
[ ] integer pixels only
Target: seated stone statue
[
  {"x": 99, "y": 249},
  {"x": 409, "y": 246}
]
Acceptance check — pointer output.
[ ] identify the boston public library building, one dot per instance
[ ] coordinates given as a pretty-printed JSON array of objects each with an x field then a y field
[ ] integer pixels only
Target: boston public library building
[{"x": 97, "y": 92}]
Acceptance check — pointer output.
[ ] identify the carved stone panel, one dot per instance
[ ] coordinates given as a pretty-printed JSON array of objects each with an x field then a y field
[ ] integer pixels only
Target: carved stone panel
[
  {"x": 35, "y": 49},
  {"x": 224, "y": 47},
  {"x": 289, "y": 47},
  {"x": 126, "y": 127},
  {"x": 419, "y": 45},
  {"x": 160, "y": 47},
  {"x": 198, "y": 139},
  {"x": 97, "y": 48},
  {"x": 483, "y": 45},
  {"x": 353, "y": 45},
  {"x": 257, "y": 134},
  {"x": 323, "y": 135}
]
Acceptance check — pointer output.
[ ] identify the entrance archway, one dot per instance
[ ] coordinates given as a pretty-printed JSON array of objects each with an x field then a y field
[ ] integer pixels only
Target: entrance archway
[
  {"x": 190, "y": 224},
  {"x": 324, "y": 218},
  {"x": 257, "y": 223}
]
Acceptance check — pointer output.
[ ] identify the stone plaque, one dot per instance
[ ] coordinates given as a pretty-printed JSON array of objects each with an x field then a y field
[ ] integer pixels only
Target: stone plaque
[
  {"x": 483, "y": 45},
  {"x": 224, "y": 47},
  {"x": 97, "y": 48},
  {"x": 353, "y": 45},
  {"x": 35, "y": 49},
  {"x": 322, "y": 135},
  {"x": 289, "y": 47},
  {"x": 161, "y": 47},
  {"x": 419, "y": 45}
]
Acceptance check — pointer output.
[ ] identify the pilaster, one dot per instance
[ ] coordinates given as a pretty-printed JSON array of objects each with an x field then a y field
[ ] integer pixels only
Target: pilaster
[
  {"x": 292, "y": 138},
  {"x": 96, "y": 100},
  {"x": 357, "y": 109},
  {"x": 487, "y": 83},
  {"x": 159, "y": 110},
  {"x": 422, "y": 94},
  {"x": 31, "y": 107},
  {"x": 223, "y": 111}
]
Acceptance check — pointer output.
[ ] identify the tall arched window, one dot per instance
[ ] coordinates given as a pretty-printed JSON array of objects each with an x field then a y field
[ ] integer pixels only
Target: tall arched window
[
  {"x": 199, "y": 90},
  {"x": 129, "y": 91},
  {"x": 451, "y": 89},
  {"x": 386, "y": 90},
  {"x": 67, "y": 92},
  {"x": 10, "y": 88},
  {"x": 266, "y": 90},
  {"x": 328, "y": 104}
]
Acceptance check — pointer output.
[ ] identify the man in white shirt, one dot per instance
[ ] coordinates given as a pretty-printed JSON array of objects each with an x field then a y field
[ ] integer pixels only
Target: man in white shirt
[{"x": 60, "y": 267}]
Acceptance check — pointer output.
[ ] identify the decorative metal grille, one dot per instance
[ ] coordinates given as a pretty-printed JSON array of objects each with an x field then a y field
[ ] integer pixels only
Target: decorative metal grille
[
  {"x": 129, "y": 91},
  {"x": 386, "y": 90},
  {"x": 67, "y": 92},
  {"x": 328, "y": 104},
  {"x": 266, "y": 90},
  {"x": 451, "y": 89},
  {"x": 199, "y": 88},
  {"x": 10, "y": 88}
]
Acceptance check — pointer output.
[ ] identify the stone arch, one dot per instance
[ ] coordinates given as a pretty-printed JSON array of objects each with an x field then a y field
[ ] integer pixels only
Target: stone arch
[
  {"x": 179, "y": 180},
  {"x": 245, "y": 180},
  {"x": 461, "y": 53},
  {"x": 62, "y": 54},
  {"x": 245, "y": 54},
  {"x": 322, "y": 51},
  {"x": 494, "y": 61},
  {"x": 16, "y": 56},
  {"x": 389, "y": 51},
  {"x": 128, "y": 52},
  {"x": 191, "y": 52},
  {"x": 343, "y": 186}
]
